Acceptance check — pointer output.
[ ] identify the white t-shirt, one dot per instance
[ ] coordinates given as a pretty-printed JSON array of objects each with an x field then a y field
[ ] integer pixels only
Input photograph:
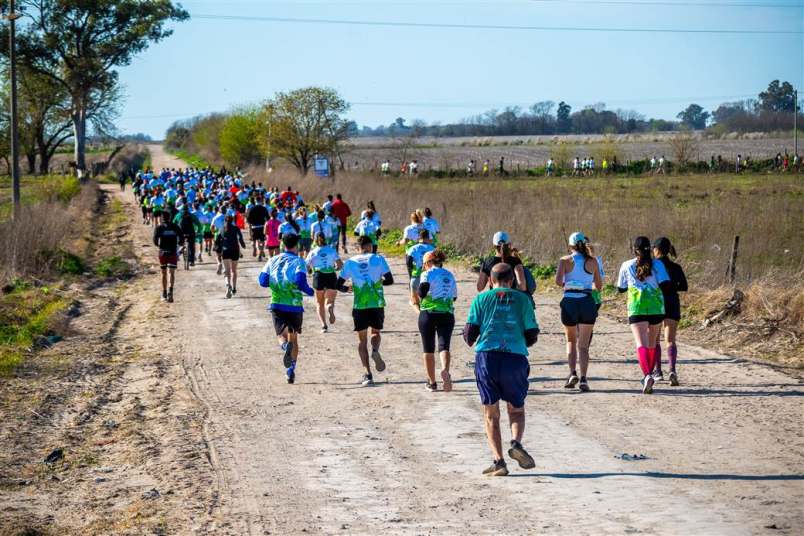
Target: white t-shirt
[{"x": 323, "y": 259}]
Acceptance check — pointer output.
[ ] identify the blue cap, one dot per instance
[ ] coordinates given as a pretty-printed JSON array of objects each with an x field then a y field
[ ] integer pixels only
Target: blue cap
[{"x": 500, "y": 237}]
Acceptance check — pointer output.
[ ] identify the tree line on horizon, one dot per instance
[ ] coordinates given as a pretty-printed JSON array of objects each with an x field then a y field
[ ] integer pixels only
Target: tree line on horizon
[{"x": 770, "y": 111}]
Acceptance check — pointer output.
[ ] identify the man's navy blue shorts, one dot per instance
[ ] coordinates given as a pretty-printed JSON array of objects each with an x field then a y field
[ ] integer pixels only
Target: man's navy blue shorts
[{"x": 501, "y": 375}]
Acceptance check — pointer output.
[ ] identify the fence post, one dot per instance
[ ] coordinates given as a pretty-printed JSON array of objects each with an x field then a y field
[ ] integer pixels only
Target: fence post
[{"x": 733, "y": 260}]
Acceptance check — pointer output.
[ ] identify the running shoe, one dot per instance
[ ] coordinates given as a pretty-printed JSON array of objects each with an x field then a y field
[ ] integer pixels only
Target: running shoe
[
  {"x": 432, "y": 387},
  {"x": 583, "y": 385},
  {"x": 220, "y": 269},
  {"x": 379, "y": 364},
  {"x": 170, "y": 296},
  {"x": 228, "y": 291},
  {"x": 324, "y": 329},
  {"x": 647, "y": 385},
  {"x": 518, "y": 453},
  {"x": 497, "y": 468},
  {"x": 234, "y": 291},
  {"x": 290, "y": 374},
  {"x": 331, "y": 311},
  {"x": 674, "y": 379},
  {"x": 446, "y": 378},
  {"x": 572, "y": 381},
  {"x": 164, "y": 296},
  {"x": 658, "y": 376},
  {"x": 367, "y": 380},
  {"x": 287, "y": 359}
]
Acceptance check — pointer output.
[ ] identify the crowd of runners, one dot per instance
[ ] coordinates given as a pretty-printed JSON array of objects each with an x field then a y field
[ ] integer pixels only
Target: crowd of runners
[{"x": 200, "y": 212}]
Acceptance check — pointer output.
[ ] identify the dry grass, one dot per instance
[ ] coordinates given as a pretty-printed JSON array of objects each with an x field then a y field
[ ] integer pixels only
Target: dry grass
[{"x": 700, "y": 214}]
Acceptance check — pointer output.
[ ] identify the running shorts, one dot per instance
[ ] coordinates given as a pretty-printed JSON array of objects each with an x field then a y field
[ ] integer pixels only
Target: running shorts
[
  {"x": 325, "y": 281},
  {"x": 432, "y": 325},
  {"x": 168, "y": 260},
  {"x": 672, "y": 307},
  {"x": 576, "y": 311},
  {"x": 230, "y": 254},
  {"x": 502, "y": 376},
  {"x": 207, "y": 235},
  {"x": 258, "y": 233},
  {"x": 290, "y": 320},
  {"x": 650, "y": 319},
  {"x": 368, "y": 318}
]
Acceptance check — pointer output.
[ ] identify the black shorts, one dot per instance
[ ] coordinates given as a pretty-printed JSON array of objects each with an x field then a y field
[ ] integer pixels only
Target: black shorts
[
  {"x": 325, "y": 281},
  {"x": 672, "y": 307},
  {"x": 368, "y": 318},
  {"x": 292, "y": 321},
  {"x": 230, "y": 254},
  {"x": 208, "y": 235},
  {"x": 436, "y": 324},
  {"x": 576, "y": 311},
  {"x": 650, "y": 319},
  {"x": 258, "y": 234}
]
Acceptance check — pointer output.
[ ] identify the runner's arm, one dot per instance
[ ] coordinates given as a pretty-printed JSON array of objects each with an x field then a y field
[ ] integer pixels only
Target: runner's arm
[
  {"x": 301, "y": 283},
  {"x": 471, "y": 332},
  {"x": 156, "y": 236},
  {"x": 387, "y": 279},
  {"x": 342, "y": 285},
  {"x": 424, "y": 288},
  {"x": 531, "y": 336}
]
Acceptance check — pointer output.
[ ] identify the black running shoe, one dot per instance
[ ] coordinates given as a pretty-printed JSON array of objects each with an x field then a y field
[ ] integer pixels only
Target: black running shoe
[
  {"x": 367, "y": 380},
  {"x": 170, "y": 296},
  {"x": 287, "y": 358},
  {"x": 522, "y": 457}
]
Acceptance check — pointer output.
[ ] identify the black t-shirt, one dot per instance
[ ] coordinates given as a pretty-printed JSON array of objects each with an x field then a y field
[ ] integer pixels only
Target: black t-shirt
[
  {"x": 489, "y": 263},
  {"x": 167, "y": 237},
  {"x": 257, "y": 216},
  {"x": 678, "y": 281}
]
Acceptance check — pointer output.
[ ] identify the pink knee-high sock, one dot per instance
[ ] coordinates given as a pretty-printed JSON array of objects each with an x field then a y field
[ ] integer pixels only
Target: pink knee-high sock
[
  {"x": 644, "y": 360},
  {"x": 657, "y": 358},
  {"x": 672, "y": 355}
]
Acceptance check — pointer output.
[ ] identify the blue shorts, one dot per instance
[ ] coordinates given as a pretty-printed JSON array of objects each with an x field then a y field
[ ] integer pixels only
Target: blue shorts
[{"x": 502, "y": 376}]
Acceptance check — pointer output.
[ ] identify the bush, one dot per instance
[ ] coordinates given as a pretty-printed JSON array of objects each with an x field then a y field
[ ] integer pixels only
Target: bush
[{"x": 113, "y": 267}]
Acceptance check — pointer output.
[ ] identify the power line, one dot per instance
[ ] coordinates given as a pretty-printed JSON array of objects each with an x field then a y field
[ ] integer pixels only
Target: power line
[
  {"x": 388, "y": 104},
  {"x": 669, "y": 4},
  {"x": 398, "y": 24}
]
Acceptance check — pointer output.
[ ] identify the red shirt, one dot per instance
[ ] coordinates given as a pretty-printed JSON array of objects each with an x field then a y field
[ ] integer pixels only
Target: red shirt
[
  {"x": 341, "y": 210},
  {"x": 288, "y": 195}
]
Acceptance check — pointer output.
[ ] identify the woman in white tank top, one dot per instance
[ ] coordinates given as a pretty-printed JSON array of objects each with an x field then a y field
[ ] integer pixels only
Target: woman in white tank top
[{"x": 579, "y": 275}]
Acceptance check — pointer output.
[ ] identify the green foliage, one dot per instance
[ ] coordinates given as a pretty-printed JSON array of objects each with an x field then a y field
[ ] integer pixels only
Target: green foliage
[
  {"x": 112, "y": 267},
  {"x": 387, "y": 243},
  {"x": 192, "y": 160},
  {"x": 26, "y": 313},
  {"x": 238, "y": 139},
  {"x": 69, "y": 263}
]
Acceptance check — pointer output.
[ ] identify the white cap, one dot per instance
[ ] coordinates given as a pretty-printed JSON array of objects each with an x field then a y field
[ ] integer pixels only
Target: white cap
[
  {"x": 575, "y": 238},
  {"x": 500, "y": 237}
]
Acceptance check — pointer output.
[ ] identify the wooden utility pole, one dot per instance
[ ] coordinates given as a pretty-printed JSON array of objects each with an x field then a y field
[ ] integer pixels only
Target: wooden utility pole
[
  {"x": 733, "y": 260},
  {"x": 15, "y": 157}
]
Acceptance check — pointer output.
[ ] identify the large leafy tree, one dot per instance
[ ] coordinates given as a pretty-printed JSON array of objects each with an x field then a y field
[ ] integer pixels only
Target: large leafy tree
[
  {"x": 79, "y": 44},
  {"x": 694, "y": 117},
  {"x": 302, "y": 123},
  {"x": 779, "y": 97}
]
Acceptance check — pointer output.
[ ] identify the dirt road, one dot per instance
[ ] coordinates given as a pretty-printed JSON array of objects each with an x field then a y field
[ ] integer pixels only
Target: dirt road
[{"x": 724, "y": 451}]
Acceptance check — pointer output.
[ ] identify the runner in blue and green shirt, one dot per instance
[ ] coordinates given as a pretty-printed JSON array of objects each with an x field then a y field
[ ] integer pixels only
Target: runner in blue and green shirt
[{"x": 438, "y": 292}]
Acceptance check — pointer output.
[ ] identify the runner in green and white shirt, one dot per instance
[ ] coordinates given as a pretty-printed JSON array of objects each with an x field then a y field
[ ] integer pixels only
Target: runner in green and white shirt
[
  {"x": 322, "y": 262},
  {"x": 414, "y": 257},
  {"x": 438, "y": 292},
  {"x": 368, "y": 273}
]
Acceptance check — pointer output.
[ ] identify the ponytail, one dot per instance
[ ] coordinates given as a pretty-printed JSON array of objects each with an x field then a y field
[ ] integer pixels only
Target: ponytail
[
  {"x": 583, "y": 249},
  {"x": 320, "y": 240},
  {"x": 644, "y": 263},
  {"x": 504, "y": 250},
  {"x": 665, "y": 247}
]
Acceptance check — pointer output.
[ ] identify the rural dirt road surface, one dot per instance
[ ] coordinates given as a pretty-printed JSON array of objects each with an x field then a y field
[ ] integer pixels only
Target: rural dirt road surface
[{"x": 724, "y": 452}]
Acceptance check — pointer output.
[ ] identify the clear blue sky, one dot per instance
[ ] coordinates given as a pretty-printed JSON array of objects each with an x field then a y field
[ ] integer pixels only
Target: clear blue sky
[{"x": 214, "y": 64}]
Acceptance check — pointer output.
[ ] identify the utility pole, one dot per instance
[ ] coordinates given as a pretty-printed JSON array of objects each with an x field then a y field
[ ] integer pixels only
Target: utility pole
[{"x": 15, "y": 157}]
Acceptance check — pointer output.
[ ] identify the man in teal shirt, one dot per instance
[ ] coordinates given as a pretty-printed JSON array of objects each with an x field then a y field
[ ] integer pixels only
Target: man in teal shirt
[{"x": 503, "y": 325}]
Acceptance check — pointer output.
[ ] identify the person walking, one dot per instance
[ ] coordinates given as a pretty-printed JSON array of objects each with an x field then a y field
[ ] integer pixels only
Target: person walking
[
  {"x": 502, "y": 325},
  {"x": 437, "y": 291},
  {"x": 663, "y": 249},
  {"x": 341, "y": 211},
  {"x": 644, "y": 278},
  {"x": 369, "y": 273},
  {"x": 578, "y": 274}
]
